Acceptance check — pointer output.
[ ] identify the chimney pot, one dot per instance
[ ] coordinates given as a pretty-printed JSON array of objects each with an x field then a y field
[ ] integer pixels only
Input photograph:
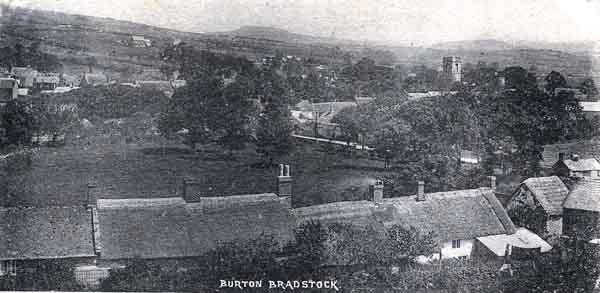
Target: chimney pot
[
  {"x": 376, "y": 191},
  {"x": 575, "y": 157},
  {"x": 284, "y": 181},
  {"x": 492, "y": 182},
  {"x": 421, "y": 191}
]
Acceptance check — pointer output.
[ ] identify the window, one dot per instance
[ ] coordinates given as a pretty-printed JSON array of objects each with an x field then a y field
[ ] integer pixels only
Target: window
[
  {"x": 455, "y": 243},
  {"x": 8, "y": 267}
]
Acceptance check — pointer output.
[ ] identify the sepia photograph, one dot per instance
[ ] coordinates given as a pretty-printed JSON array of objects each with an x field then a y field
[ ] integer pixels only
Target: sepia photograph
[{"x": 300, "y": 145}]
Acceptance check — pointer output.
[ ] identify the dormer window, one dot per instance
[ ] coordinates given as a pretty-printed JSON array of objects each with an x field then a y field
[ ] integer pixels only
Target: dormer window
[
  {"x": 455, "y": 243},
  {"x": 8, "y": 268}
]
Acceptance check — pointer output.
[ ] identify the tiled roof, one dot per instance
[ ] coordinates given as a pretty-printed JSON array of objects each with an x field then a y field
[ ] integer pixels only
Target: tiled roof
[
  {"x": 45, "y": 233},
  {"x": 582, "y": 164},
  {"x": 168, "y": 228},
  {"x": 584, "y": 196},
  {"x": 550, "y": 192}
]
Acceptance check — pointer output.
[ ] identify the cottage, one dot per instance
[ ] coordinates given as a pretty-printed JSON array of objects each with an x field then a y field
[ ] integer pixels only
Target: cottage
[
  {"x": 139, "y": 41},
  {"x": 93, "y": 79},
  {"x": 581, "y": 215},
  {"x": 537, "y": 205},
  {"x": 25, "y": 75},
  {"x": 9, "y": 89},
  {"x": 576, "y": 167},
  {"x": 45, "y": 233},
  {"x": 46, "y": 81},
  {"x": 456, "y": 218},
  {"x": 164, "y": 229},
  {"x": 585, "y": 148},
  {"x": 68, "y": 80},
  {"x": 157, "y": 85}
]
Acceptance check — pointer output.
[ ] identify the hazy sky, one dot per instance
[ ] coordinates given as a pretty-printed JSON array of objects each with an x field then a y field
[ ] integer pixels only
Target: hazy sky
[{"x": 389, "y": 21}]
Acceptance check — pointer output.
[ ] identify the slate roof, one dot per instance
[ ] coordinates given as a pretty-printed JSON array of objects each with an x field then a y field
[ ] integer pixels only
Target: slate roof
[
  {"x": 170, "y": 227},
  {"x": 584, "y": 196},
  {"x": 45, "y": 233},
  {"x": 7, "y": 83},
  {"x": 24, "y": 71},
  {"x": 522, "y": 238},
  {"x": 95, "y": 79},
  {"x": 453, "y": 215},
  {"x": 550, "y": 192},
  {"x": 158, "y": 85},
  {"x": 47, "y": 79},
  {"x": 582, "y": 164}
]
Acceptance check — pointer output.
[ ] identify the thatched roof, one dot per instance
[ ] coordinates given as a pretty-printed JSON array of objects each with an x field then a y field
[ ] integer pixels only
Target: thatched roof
[
  {"x": 584, "y": 196},
  {"x": 358, "y": 213},
  {"x": 550, "y": 192},
  {"x": 45, "y": 233},
  {"x": 454, "y": 215},
  {"x": 170, "y": 228}
]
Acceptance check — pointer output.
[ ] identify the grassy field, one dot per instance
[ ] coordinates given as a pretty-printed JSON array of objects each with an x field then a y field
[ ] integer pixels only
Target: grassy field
[{"x": 59, "y": 176}]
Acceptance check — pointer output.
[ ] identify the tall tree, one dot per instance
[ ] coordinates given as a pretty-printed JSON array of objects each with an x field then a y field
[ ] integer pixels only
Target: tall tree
[
  {"x": 18, "y": 123},
  {"x": 274, "y": 129}
]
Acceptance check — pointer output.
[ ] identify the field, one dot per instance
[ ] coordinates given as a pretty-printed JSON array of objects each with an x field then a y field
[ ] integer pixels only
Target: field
[{"x": 59, "y": 176}]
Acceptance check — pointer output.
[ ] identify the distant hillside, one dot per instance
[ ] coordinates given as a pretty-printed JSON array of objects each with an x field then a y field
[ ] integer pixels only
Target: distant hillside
[
  {"x": 275, "y": 34},
  {"x": 474, "y": 45},
  {"x": 84, "y": 41}
]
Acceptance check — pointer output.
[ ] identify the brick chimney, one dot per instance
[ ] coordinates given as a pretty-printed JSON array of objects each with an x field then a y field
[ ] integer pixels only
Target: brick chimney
[
  {"x": 492, "y": 182},
  {"x": 575, "y": 157},
  {"x": 421, "y": 191},
  {"x": 190, "y": 189},
  {"x": 561, "y": 156},
  {"x": 91, "y": 199},
  {"x": 376, "y": 191},
  {"x": 284, "y": 181}
]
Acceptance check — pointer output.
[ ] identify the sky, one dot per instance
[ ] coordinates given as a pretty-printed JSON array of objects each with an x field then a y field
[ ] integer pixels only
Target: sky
[{"x": 419, "y": 22}]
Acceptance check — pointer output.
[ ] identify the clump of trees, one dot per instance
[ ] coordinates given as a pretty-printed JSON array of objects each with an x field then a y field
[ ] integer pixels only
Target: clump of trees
[
  {"x": 20, "y": 55},
  {"x": 424, "y": 138},
  {"x": 229, "y": 102},
  {"x": 44, "y": 275}
]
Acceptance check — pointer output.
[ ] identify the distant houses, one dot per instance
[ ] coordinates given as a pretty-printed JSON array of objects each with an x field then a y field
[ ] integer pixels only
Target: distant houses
[
  {"x": 576, "y": 167},
  {"x": 25, "y": 75},
  {"x": 93, "y": 79},
  {"x": 9, "y": 89},
  {"x": 46, "y": 81},
  {"x": 139, "y": 41}
]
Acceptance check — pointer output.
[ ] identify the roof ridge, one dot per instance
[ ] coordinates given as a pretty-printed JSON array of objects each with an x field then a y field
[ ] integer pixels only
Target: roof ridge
[{"x": 499, "y": 211}]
